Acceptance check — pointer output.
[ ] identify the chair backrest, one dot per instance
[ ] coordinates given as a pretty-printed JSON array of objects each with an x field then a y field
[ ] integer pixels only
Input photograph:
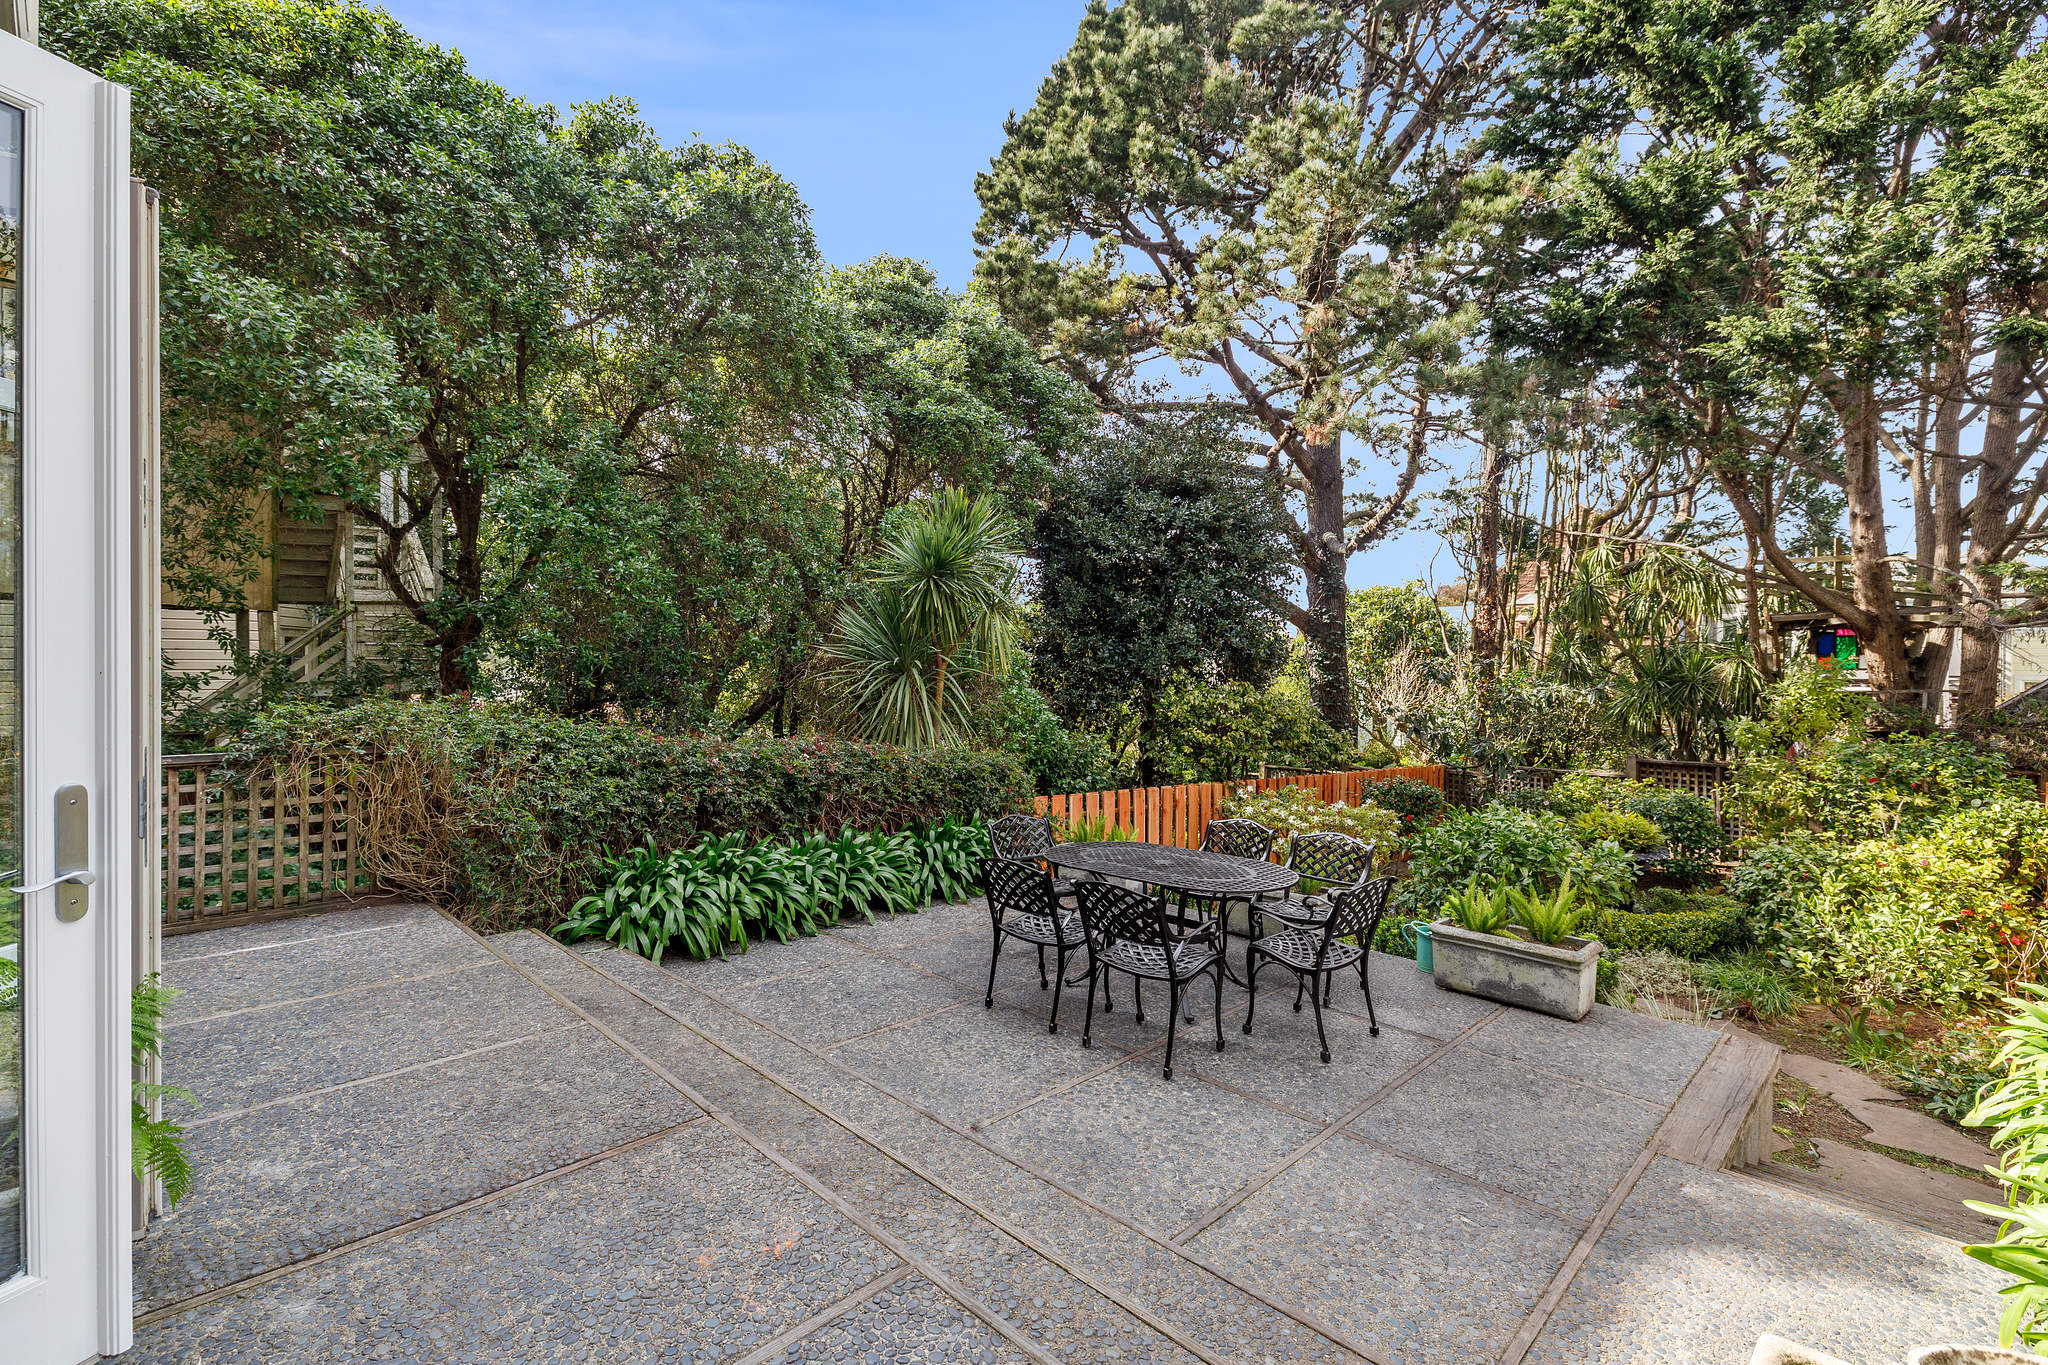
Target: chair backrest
[
  {"x": 1332, "y": 859},
  {"x": 1238, "y": 838},
  {"x": 1357, "y": 910},
  {"x": 1015, "y": 887},
  {"x": 1021, "y": 836},
  {"x": 1110, "y": 913}
]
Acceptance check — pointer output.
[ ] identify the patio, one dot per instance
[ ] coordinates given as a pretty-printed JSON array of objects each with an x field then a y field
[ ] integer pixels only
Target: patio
[{"x": 421, "y": 1144}]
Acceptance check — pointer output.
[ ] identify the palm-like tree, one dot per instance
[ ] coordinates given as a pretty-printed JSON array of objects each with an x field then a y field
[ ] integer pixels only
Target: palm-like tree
[
  {"x": 1640, "y": 627},
  {"x": 938, "y": 609}
]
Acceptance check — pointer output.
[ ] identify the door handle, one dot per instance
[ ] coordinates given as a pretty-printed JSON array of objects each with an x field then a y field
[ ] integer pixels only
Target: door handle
[
  {"x": 82, "y": 877},
  {"x": 73, "y": 841}
]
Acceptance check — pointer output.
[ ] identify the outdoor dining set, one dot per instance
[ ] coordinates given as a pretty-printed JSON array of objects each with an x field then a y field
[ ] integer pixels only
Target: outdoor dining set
[{"x": 1154, "y": 912}]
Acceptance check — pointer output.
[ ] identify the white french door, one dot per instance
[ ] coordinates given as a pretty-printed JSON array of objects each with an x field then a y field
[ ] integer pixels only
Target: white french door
[{"x": 67, "y": 800}]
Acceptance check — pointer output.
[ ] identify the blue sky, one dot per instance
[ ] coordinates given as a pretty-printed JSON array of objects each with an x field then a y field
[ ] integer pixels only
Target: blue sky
[{"x": 880, "y": 114}]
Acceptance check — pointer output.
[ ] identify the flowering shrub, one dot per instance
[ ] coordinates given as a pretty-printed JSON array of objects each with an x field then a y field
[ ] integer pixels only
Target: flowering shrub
[
  {"x": 1416, "y": 802},
  {"x": 1296, "y": 810},
  {"x": 1925, "y": 922}
]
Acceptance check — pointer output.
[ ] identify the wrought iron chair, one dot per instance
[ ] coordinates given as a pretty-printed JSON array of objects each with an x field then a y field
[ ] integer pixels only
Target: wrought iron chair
[
  {"x": 1022, "y": 905},
  {"x": 1026, "y": 838},
  {"x": 1238, "y": 838},
  {"x": 1316, "y": 953},
  {"x": 1333, "y": 861},
  {"x": 1137, "y": 935}
]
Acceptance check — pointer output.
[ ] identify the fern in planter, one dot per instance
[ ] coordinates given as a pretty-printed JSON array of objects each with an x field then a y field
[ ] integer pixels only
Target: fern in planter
[{"x": 157, "y": 1148}]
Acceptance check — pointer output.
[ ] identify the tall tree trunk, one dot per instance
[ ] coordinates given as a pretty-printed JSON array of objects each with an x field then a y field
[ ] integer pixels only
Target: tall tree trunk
[
  {"x": 1942, "y": 551},
  {"x": 1324, "y": 565},
  {"x": 455, "y": 642},
  {"x": 1990, "y": 536},
  {"x": 1881, "y": 630},
  {"x": 1486, "y": 578}
]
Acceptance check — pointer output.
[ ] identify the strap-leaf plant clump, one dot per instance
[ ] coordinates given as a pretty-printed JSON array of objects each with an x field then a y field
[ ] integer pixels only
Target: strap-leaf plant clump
[{"x": 722, "y": 891}]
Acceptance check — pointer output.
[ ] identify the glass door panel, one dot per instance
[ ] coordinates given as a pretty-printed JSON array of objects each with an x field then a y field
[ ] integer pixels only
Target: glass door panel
[{"x": 12, "y": 986}]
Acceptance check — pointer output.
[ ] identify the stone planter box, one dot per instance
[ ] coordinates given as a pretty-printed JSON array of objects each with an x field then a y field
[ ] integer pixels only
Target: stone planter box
[{"x": 1551, "y": 978}]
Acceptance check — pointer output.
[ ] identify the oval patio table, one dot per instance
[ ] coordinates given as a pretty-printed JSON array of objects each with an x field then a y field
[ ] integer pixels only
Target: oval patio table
[{"x": 1189, "y": 871}]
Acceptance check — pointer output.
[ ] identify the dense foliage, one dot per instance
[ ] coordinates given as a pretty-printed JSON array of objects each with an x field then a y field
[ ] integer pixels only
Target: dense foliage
[
  {"x": 1159, "y": 557},
  {"x": 723, "y": 891},
  {"x": 1498, "y": 843},
  {"x": 504, "y": 816},
  {"x": 1216, "y": 732},
  {"x": 2015, "y": 1108}
]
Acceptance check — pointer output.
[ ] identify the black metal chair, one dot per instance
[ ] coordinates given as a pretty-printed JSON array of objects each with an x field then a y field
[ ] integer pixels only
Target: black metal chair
[
  {"x": 1023, "y": 905},
  {"x": 1137, "y": 935},
  {"x": 1238, "y": 838},
  {"x": 1316, "y": 953},
  {"x": 1332, "y": 861},
  {"x": 1026, "y": 838}
]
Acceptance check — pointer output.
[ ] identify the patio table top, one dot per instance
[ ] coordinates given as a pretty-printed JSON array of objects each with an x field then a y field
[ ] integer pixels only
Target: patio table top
[{"x": 1186, "y": 870}]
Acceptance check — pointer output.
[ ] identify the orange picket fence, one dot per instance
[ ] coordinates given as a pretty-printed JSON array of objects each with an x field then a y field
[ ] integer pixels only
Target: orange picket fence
[{"x": 1177, "y": 815}]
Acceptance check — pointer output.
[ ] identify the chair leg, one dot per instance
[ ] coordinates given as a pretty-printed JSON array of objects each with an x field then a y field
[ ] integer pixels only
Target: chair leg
[
  {"x": 1251, "y": 984},
  {"x": 988, "y": 1000},
  {"x": 1315, "y": 998},
  {"x": 1043, "y": 984},
  {"x": 1300, "y": 984},
  {"x": 1172, "y": 1018},
  {"x": 1088, "y": 1024},
  {"x": 1372, "y": 1020},
  {"x": 1059, "y": 981},
  {"x": 1138, "y": 995},
  {"x": 1217, "y": 967}
]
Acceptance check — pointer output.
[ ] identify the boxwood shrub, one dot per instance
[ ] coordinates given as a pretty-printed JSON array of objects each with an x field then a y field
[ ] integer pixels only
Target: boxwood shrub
[
  {"x": 1693, "y": 925},
  {"x": 504, "y": 816}
]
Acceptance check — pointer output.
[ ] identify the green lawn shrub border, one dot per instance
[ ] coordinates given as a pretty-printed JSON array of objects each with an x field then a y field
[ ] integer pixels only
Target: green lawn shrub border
[{"x": 506, "y": 816}]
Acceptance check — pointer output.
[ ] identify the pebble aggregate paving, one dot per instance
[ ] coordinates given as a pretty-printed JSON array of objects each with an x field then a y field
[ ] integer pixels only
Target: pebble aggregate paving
[
  {"x": 319, "y": 967},
  {"x": 1622, "y": 1050},
  {"x": 689, "y": 1248},
  {"x": 265, "y": 1054},
  {"x": 969, "y": 1062},
  {"x": 1159, "y": 1152},
  {"x": 1474, "y": 1114},
  {"x": 909, "y": 1321},
  {"x": 848, "y": 999},
  {"x": 352, "y": 1162},
  {"x": 275, "y": 933},
  {"x": 1698, "y": 1263},
  {"x": 1426, "y": 1232},
  {"x": 1412, "y": 1261}
]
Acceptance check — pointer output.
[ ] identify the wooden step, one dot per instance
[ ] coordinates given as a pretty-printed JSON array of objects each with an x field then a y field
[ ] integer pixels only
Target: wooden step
[{"x": 1723, "y": 1118}]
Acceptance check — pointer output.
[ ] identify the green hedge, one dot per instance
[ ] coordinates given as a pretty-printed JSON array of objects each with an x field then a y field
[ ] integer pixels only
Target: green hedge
[
  {"x": 1685, "y": 925},
  {"x": 505, "y": 816}
]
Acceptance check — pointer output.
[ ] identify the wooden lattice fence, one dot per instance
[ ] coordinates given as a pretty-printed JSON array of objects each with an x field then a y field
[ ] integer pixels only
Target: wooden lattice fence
[{"x": 237, "y": 849}]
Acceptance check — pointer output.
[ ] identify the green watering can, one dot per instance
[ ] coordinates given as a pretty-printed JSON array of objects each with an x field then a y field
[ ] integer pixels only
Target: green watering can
[{"x": 1418, "y": 935}]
